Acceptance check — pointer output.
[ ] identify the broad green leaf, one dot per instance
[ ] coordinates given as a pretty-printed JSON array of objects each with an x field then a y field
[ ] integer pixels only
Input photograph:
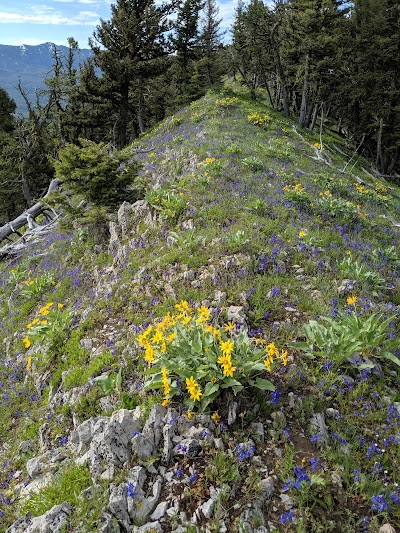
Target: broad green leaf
[
  {"x": 210, "y": 389},
  {"x": 391, "y": 357},
  {"x": 230, "y": 382},
  {"x": 264, "y": 384}
]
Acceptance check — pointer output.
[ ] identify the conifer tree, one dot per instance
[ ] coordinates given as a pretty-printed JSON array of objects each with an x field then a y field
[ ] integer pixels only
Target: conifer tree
[
  {"x": 210, "y": 39},
  {"x": 251, "y": 40},
  {"x": 310, "y": 55},
  {"x": 130, "y": 49},
  {"x": 10, "y": 204},
  {"x": 374, "y": 81},
  {"x": 185, "y": 41}
]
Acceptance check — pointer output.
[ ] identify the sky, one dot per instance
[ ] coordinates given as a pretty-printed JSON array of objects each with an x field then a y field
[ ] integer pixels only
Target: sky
[{"x": 35, "y": 22}]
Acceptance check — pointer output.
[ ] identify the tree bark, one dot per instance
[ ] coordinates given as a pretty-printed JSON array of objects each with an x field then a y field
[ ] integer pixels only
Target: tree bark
[
  {"x": 303, "y": 106},
  {"x": 33, "y": 212},
  {"x": 140, "y": 107}
]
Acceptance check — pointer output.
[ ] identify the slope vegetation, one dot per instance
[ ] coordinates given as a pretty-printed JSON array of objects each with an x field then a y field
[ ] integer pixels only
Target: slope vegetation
[{"x": 246, "y": 312}]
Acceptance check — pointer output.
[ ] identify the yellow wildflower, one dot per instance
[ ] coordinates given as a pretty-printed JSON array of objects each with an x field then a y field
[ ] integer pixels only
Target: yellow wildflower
[
  {"x": 165, "y": 402},
  {"x": 284, "y": 356},
  {"x": 150, "y": 354},
  {"x": 195, "y": 394},
  {"x": 190, "y": 415},
  {"x": 302, "y": 234},
  {"x": 60, "y": 306},
  {"x": 226, "y": 347},
  {"x": 229, "y": 326},
  {"x": 185, "y": 320},
  {"x": 272, "y": 350},
  {"x": 216, "y": 417},
  {"x": 26, "y": 342},
  {"x": 29, "y": 364},
  {"x": 171, "y": 337},
  {"x": 267, "y": 363},
  {"x": 165, "y": 382},
  {"x": 157, "y": 338},
  {"x": 204, "y": 314},
  {"x": 224, "y": 360},
  {"x": 142, "y": 338},
  {"x": 184, "y": 306},
  {"x": 228, "y": 370},
  {"x": 193, "y": 389},
  {"x": 351, "y": 300},
  {"x": 44, "y": 322}
]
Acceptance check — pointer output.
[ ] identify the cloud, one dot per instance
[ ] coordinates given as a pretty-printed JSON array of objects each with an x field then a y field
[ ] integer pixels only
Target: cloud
[
  {"x": 43, "y": 16},
  {"x": 77, "y": 1}
]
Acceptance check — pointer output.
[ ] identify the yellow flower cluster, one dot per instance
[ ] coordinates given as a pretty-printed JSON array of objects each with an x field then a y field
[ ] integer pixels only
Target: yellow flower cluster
[
  {"x": 159, "y": 344},
  {"x": 257, "y": 119},
  {"x": 379, "y": 187},
  {"x": 166, "y": 385},
  {"x": 227, "y": 102},
  {"x": 207, "y": 161},
  {"x": 351, "y": 300},
  {"x": 273, "y": 354},
  {"x": 361, "y": 189},
  {"x": 296, "y": 188},
  {"x": 26, "y": 342},
  {"x": 204, "y": 315},
  {"x": 317, "y": 146},
  {"x": 193, "y": 389},
  {"x": 155, "y": 338},
  {"x": 225, "y": 360},
  {"x": 43, "y": 311}
]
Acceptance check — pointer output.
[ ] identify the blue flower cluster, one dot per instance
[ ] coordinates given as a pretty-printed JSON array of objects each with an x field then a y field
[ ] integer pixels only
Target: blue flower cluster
[{"x": 300, "y": 475}]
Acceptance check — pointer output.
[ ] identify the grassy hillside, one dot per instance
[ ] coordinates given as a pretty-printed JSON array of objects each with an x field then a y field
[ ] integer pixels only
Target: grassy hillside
[{"x": 259, "y": 228}]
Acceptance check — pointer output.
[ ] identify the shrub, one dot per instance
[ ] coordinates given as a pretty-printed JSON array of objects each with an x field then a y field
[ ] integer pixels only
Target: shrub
[
  {"x": 102, "y": 176},
  {"x": 190, "y": 357}
]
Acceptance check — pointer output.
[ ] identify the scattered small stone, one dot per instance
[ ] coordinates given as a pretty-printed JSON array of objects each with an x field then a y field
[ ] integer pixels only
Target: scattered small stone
[
  {"x": 258, "y": 430},
  {"x": 159, "y": 511},
  {"x": 287, "y": 501},
  {"x": 387, "y": 528}
]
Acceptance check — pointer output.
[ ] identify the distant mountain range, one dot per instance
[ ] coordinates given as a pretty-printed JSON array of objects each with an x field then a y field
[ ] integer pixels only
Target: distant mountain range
[{"x": 30, "y": 64}]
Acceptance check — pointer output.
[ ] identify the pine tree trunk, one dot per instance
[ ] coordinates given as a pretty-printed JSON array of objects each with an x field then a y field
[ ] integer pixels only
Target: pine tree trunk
[
  {"x": 282, "y": 77},
  {"x": 26, "y": 191},
  {"x": 379, "y": 162},
  {"x": 314, "y": 117},
  {"x": 140, "y": 107},
  {"x": 123, "y": 118},
  {"x": 303, "y": 107}
]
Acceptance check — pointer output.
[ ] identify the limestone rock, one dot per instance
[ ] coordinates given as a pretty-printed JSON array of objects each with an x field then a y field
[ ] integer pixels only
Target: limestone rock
[
  {"x": 236, "y": 314},
  {"x": 118, "y": 506},
  {"x": 318, "y": 427},
  {"x": 130, "y": 421},
  {"x": 110, "y": 447},
  {"x": 153, "y": 428},
  {"x": 107, "y": 524},
  {"x": 54, "y": 521},
  {"x": 81, "y": 437}
]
